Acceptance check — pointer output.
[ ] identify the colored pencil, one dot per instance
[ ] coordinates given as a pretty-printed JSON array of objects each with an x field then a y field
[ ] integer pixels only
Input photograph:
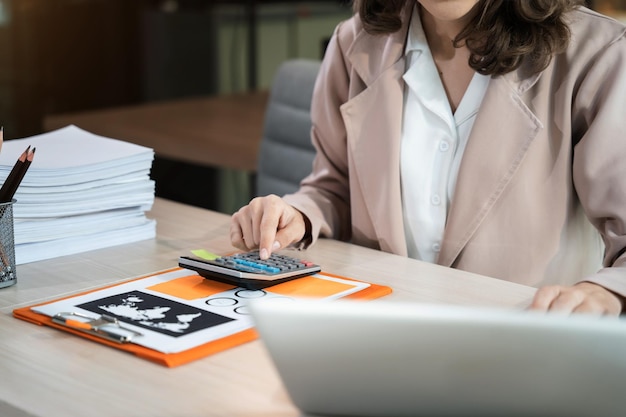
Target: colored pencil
[{"x": 16, "y": 175}]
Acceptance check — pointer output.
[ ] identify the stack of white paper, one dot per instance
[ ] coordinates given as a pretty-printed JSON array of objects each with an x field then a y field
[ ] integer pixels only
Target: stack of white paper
[{"x": 81, "y": 192}]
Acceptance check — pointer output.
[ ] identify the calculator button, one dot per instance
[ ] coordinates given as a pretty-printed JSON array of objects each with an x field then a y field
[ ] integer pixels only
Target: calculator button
[
  {"x": 246, "y": 263},
  {"x": 270, "y": 269},
  {"x": 245, "y": 268}
]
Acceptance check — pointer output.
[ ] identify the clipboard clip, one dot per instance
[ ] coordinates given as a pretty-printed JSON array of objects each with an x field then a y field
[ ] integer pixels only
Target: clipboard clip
[{"x": 106, "y": 327}]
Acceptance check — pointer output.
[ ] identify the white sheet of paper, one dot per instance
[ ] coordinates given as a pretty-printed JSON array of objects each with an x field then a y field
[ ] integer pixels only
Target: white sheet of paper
[
  {"x": 71, "y": 197},
  {"x": 168, "y": 323},
  {"x": 71, "y": 147}
]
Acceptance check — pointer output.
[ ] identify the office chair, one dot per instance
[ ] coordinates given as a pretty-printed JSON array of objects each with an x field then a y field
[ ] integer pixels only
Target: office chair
[{"x": 286, "y": 153}]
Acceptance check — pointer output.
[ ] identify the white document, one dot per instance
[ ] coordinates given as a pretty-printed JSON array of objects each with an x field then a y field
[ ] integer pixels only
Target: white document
[
  {"x": 169, "y": 323},
  {"x": 38, "y": 250},
  {"x": 72, "y": 148},
  {"x": 81, "y": 192},
  {"x": 44, "y": 229}
]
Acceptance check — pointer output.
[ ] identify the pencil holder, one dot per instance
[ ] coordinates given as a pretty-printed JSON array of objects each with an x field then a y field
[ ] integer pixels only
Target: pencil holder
[{"x": 7, "y": 246}]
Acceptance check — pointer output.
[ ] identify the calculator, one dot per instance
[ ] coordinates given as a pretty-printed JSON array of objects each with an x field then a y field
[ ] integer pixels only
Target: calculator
[{"x": 248, "y": 270}]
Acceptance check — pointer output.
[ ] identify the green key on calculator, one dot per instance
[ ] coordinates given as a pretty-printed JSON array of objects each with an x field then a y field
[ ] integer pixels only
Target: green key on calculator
[{"x": 248, "y": 270}]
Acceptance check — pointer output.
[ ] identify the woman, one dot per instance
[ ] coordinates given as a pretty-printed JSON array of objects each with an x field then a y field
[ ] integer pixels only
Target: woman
[{"x": 484, "y": 135}]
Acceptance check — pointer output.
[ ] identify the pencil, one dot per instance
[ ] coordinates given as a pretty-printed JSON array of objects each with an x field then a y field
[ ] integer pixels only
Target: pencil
[
  {"x": 16, "y": 175},
  {"x": 18, "y": 178},
  {"x": 10, "y": 187}
]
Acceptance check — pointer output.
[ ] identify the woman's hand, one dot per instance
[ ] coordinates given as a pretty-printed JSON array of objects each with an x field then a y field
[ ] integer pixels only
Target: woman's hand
[
  {"x": 266, "y": 223},
  {"x": 583, "y": 297}
]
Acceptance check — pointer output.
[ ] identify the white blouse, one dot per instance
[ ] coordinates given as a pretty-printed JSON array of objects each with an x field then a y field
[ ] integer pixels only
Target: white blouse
[{"x": 433, "y": 142}]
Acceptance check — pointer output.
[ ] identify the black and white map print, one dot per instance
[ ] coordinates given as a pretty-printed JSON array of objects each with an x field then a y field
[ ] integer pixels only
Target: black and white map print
[{"x": 155, "y": 313}]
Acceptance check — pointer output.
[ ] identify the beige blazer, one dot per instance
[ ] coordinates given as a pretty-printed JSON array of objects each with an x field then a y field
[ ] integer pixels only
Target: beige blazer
[{"x": 544, "y": 169}]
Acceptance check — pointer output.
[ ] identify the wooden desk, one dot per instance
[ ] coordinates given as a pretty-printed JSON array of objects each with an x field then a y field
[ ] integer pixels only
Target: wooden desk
[
  {"x": 218, "y": 131},
  {"x": 45, "y": 372}
]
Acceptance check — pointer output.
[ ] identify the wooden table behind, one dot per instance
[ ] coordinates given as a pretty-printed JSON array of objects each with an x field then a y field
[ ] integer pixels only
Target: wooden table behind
[{"x": 218, "y": 131}]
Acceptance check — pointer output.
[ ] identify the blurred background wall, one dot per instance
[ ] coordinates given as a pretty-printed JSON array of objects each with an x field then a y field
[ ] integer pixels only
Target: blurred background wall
[{"x": 59, "y": 56}]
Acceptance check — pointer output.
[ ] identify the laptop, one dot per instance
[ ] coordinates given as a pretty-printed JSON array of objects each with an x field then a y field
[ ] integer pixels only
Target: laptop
[{"x": 348, "y": 358}]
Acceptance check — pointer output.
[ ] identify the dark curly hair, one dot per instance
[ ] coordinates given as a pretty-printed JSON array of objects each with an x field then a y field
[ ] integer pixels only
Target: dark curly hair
[{"x": 500, "y": 36}]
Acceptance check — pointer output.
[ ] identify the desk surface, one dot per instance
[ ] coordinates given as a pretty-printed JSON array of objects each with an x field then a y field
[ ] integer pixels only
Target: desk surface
[
  {"x": 45, "y": 372},
  {"x": 219, "y": 131}
]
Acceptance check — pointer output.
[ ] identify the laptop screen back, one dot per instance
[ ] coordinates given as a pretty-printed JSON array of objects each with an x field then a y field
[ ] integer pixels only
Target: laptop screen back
[{"x": 395, "y": 359}]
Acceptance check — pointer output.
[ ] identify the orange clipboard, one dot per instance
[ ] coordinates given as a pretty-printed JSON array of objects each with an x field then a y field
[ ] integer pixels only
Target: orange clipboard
[{"x": 171, "y": 360}]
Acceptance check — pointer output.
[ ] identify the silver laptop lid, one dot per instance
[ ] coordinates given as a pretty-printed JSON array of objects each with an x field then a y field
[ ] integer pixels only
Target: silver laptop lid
[{"x": 395, "y": 359}]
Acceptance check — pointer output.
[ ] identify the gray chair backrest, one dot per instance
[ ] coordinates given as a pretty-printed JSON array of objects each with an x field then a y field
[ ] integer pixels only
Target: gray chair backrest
[{"x": 286, "y": 153}]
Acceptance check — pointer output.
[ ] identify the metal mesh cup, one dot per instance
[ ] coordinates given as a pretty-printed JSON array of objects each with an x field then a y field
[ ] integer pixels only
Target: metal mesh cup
[{"x": 7, "y": 245}]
